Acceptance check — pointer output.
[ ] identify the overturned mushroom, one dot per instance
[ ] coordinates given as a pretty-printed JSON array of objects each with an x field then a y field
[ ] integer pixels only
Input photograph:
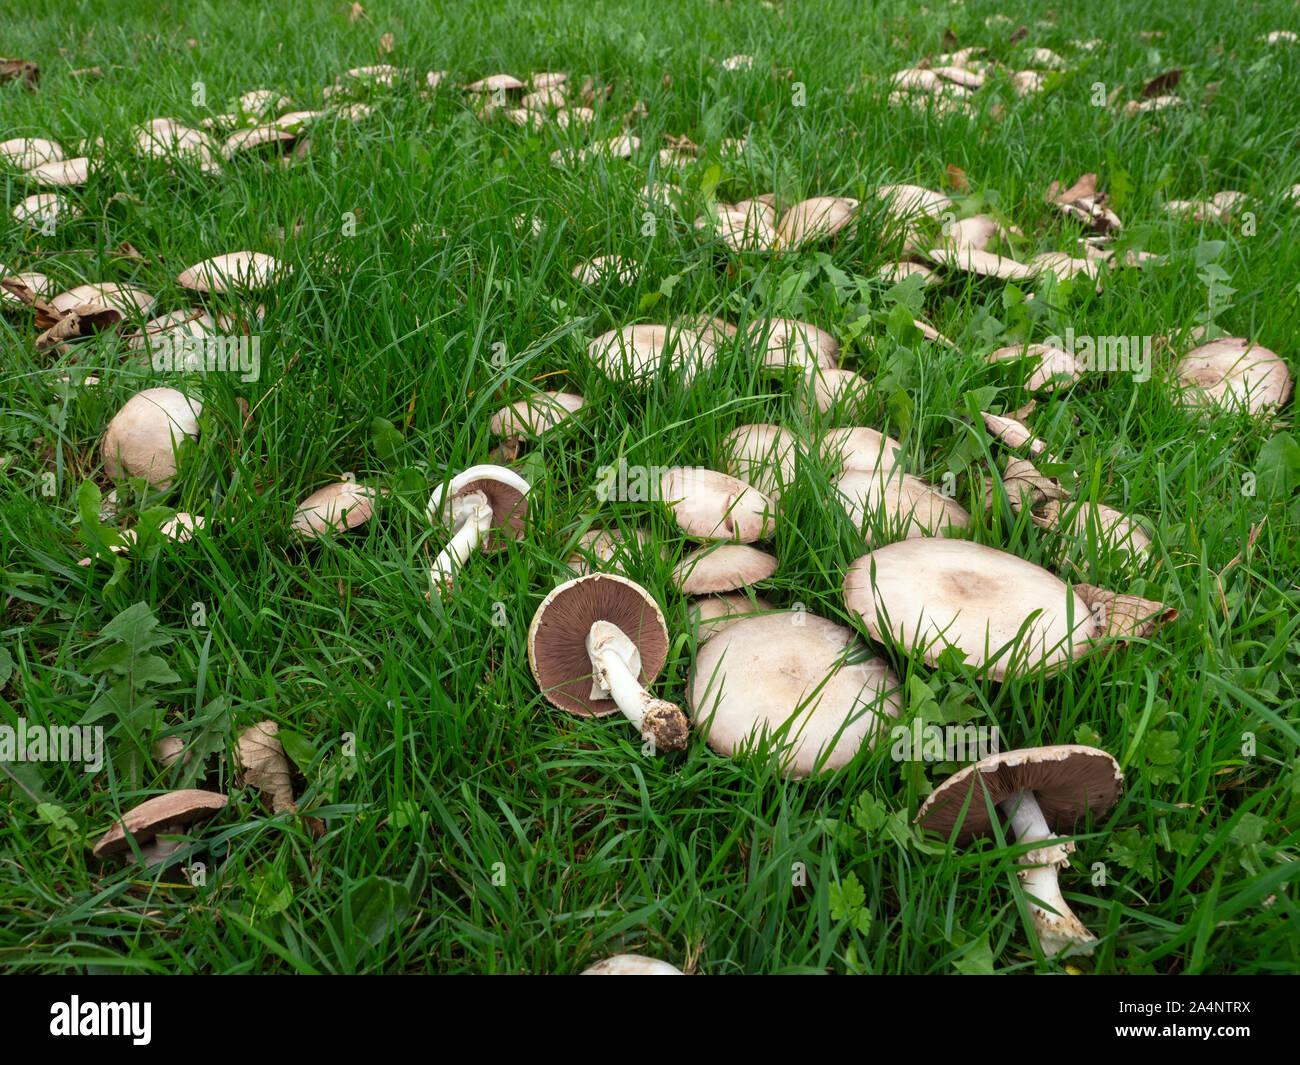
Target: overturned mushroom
[
  {"x": 1038, "y": 791},
  {"x": 803, "y": 681},
  {"x": 485, "y": 506},
  {"x": 594, "y": 643}
]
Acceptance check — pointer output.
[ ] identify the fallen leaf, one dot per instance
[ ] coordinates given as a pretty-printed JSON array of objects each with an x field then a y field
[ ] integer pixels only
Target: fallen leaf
[
  {"x": 13, "y": 69},
  {"x": 261, "y": 757},
  {"x": 1161, "y": 84},
  {"x": 956, "y": 178},
  {"x": 357, "y": 13}
]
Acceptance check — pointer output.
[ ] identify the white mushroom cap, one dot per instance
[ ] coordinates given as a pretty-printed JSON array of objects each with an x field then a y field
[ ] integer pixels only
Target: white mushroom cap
[
  {"x": 631, "y": 965},
  {"x": 1014, "y": 433},
  {"x": 141, "y": 439},
  {"x": 828, "y": 387},
  {"x": 709, "y": 505},
  {"x": 896, "y": 272},
  {"x": 165, "y": 137},
  {"x": 722, "y": 568},
  {"x": 761, "y": 455},
  {"x": 27, "y": 152},
  {"x": 1051, "y": 367},
  {"x": 977, "y": 232},
  {"x": 633, "y": 353},
  {"x": 786, "y": 342},
  {"x": 1232, "y": 372},
  {"x": 607, "y": 551},
  {"x": 1112, "y": 528},
  {"x": 125, "y": 299},
  {"x": 44, "y": 207},
  {"x": 974, "y": 261},
  {"x": 817, "y": 219},
  {"x": 192, "y": 322},
  {"x": 38, "y": 283},
  {"x": 495, "y": 83},
  {"x": 535, "y": 415},
  {"x": 899, "y": 503},
  {"x": 908, "y": 202},
  {"x": 788, "y": 670},
  {"x": 335, "y": 508},
  {"x": 716, "y": 612},
  {"x": 860, "y": 448},
  {"x": 743, "y": 230},
  {"x": 61, "y": 172},
  {"x": 242, "y": 271},
  {"x": 929, "y": 594}
]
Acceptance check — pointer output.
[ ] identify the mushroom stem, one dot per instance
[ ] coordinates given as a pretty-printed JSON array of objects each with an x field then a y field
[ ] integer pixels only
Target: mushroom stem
[
  {"x": 615, "y": 664},
  {"x": 1054, "y": 922},
  {"x": 473, "y": 517}
]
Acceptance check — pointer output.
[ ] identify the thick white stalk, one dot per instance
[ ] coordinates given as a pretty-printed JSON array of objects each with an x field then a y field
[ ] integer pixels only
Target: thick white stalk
[
  {"x": 1054, "y": 922},
  {"x": 615, "y": 664},
  {"x": 477, "y": 520}
]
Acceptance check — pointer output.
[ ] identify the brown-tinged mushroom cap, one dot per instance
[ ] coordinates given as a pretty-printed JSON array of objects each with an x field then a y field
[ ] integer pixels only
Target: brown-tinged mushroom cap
[
  {"x": 507, "y": 496},
  {"x": 536, "y": 414},
  {"x": 557, "y": 638},
  {"x": 144, "y": 822},
  {"x": 1068, "y": 782},
  {"x": 141, "y": 439},
  {"x": 715, "y": 612},
  {"x": 931, "y": 593},
  {"x": 816, "y": 219},
  {"x": 631, "y": 965},
  {"x": 270, "y": 135},
  {"x": 760, "y": 672},
  {"x": 1050, "y": 367},
  {"x": 1233, "y": 372},
  {"x": 334, "y": 508},
  {"x": 240, "y": 271},
  {"x": 1013, "y": 433},
  {"x": 909, "y": 202},
  {"x": 722, "y": 568},
  {"x": 762, "y": 455},
  {"x": 709, "y": 505},
  {"x": 495, "y": 83}
]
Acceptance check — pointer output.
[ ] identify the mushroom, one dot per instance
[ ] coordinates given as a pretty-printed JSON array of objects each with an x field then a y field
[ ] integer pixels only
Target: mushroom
[
  {"x": 785, "y": 342},
  {"x": 165, "y": 138},
  {"x": 899, "y": 502},
  {"x": 162, "y": 815},
  {"x": 61, "y": 172},
  {"x": 1233, "y": 372},
  {"x": 750, "y": 229},
  {"x": 906, "y": 203},
  {"x": 593, "y": 645},
  {"x": 986, "y": 264},
  {"x": 533, "y": 416},
  {"x": 1037, "y": 791},
  {"x": 168, "y": 331},
  {"x": 44, "y": 208},
  {"x": 123, "y": 299},
  {"x": 606, "y": 551},
  {"x": 1007, "y": 616},
  {"x": 1050, "y": 367},
  {"x": 716, "y": 612},
  {"x": 763, "y": 456},
  {"x": 831, "y": 387},
  {"x": 337, "y": 507},
  {"x": 604, "y": 268},
  {"x": 243, "y": 271},
  {"x": 142, "y": 438},
  {"x": 859, "y": 448},
  {"x": 901, "y": 271},
  {"x": 633, "y": 354},
  {"x": 1015, "y": 434},
  {"x": 35, "y": 284},
  {"x": 709, "y": 505},
  {"x": 814, "y": 220},
  {"x": 485, "y": 506},
  {"x": 722, "y": 568},
  {"x": 631, "y": 965},
  {"x": 796, "y": 675},
  {"x": 27, "y": 152}
]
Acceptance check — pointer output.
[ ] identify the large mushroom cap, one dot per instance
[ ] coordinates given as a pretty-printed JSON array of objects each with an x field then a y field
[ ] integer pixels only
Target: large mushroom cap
[
  {"x": 1232, "y": 372},
  {"x": 816, "y": 219},
  {"x": 240, "y": 271},
  {"x": 557, "y": 638},
  {"x": 860, "y": 448},
  {"x": 1068, "y": 782},
  {"x": 931, "y": 593},
  {"x": 786, "y": 342},
  {"x": 334, "y": 508},
  {"x": 631, "y": 965},
  {"x": 633, "y": 353},
  {"x": 507, "y": 496},
  {"x": 536, "y": 414},
  {"x": 162, "y": 812},
  {"x": 760, "y": 672},
  {"x": 141, "y": 439},
  {"x": 709, "y": 505},
  {"x": 722, "y": 568}
]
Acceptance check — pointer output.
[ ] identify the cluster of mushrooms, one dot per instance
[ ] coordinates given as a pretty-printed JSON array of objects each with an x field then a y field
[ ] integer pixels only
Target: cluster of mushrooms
[{"x": 811, "y": 691}]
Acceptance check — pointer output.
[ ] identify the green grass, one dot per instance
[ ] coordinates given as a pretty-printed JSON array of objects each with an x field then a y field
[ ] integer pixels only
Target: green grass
[{"x": 507, "y": 836}]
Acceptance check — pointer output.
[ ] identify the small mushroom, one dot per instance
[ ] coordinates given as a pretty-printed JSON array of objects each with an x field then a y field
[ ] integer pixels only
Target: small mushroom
[
  {"x": 126, "y": 300},
  {"x": 337, "y": 507},
  {"x": 61, "y": 172},
  {"x": 797, "y": 676},
  {"x": 860, "y": 448},
  {"x": 631, "y": 965},
  {"x": 899, "y": 503},
  {"x": 633, "y": 354},
  {"x": 829, "y": 387},
  {"x": 45, "y": 208},
  {"x": 983, "y": 263},
  {"x": 906, "y": 203},
  {"x": 162, "y": 815},
  {"x": 709, "y": 505},
  {"x": 1038, "y": 791},
  {"x": 142, "y": 438},
  {"x": 532, "y": 417},
  {"x": 606, "y": 551},
  {"x": 486, "y": 506},
  {"x": 593, "y": 645},
  {"x": 722, "y": 568}
]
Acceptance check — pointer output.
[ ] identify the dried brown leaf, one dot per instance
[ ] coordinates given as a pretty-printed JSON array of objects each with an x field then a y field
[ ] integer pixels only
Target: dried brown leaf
[
  {"x": 13, "y": 69},
  {"x": 265, "y": 767},
  {"x": 1161, "y": 84}
]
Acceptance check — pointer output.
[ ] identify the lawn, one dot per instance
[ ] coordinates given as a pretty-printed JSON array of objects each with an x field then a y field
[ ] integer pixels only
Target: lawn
[{"x": 445, "y": 816}]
